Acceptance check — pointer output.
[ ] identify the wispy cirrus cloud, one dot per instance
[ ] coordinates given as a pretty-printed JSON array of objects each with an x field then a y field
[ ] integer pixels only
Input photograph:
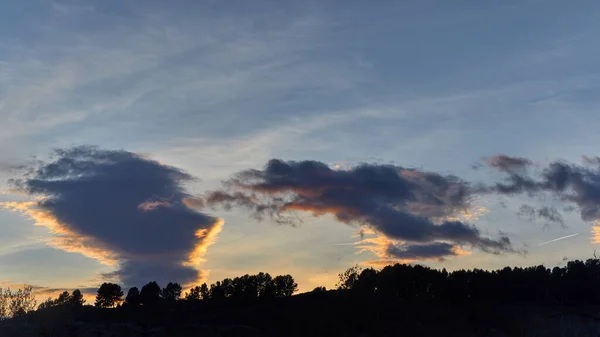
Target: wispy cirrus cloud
[{"x": 138, "y": 62}]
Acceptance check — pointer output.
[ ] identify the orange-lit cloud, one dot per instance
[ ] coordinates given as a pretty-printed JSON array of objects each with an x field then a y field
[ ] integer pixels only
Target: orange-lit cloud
[
  {"x": 207, "y": 237},
  {"x": 383, "y": 248},
  {"x": 122, "y": 209},
  {"x": 194, "y": 203},
  {"x": 64, "y": 238},
  {"x": 69, "y": 241},
  {"x": 418, "y": 209},
  {"x": 596, "y": 233},
  {"x": 151, "y": 205}
]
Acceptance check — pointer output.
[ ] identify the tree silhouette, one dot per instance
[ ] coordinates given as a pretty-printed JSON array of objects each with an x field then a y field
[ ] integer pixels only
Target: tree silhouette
[
  {"x": 198, "y": 293},
  {"x": 265, "y": 285},
  {"x": 133, "y": 297},
  {"x": 64, "y": 298},
  {"x": 193, "y": 294},
  {"x": 217, "y": 292},
  {"x": 3, "y": 304},
  {"x": 150, "y": 294},
  {"x": 21, "y": 301},
  {"x": 76, "y": 298},
  {"x": 16, "y": 303},
  {"x": 285, "y": 285},
  {"x": 244, "y": 288},
  {"x": 171, "y": 292},
  {"x": 228, "y": 287},
  {"x": 347, "y": 279},
  {"x": 48, "y": 303},
  {"x": 204, "y": 292},
  {"x": 109, "y": 295}
]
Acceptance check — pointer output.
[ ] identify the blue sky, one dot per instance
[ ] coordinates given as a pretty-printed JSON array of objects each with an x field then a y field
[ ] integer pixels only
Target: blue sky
[{"x": 216, "y": 87}]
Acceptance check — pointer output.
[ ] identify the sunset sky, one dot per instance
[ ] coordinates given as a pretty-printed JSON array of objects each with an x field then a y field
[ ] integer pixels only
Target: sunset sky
[{"x": 121, "y": 120}]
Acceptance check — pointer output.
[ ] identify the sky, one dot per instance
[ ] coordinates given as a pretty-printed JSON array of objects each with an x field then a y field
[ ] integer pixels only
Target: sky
[{"x": 199, "y": 140}]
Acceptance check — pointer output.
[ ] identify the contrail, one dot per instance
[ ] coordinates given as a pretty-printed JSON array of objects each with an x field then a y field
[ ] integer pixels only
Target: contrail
[
  {"x": 346, "y": 243},
  {"x": 564, "y": 237}
]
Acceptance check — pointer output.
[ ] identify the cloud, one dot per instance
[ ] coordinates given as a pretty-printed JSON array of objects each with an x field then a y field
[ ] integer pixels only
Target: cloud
[
  {"x": 547, "y": 213},
  {"x": 436, "y": 250},
  {"x": 507, "y": 164},
  {"x": 121, "y": 209},
  {"x": 391, "y": 251},
  {"x": 566, "y": 182},
  {"x": 403, "y": 204}
]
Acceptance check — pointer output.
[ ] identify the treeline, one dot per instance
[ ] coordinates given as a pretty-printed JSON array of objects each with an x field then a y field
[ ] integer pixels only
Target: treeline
[
  {"x": 243, "y": 288},
  {"x": 74, "y": 299},
  {"x": 576, "y": 283},
  {"x": 247, "y": 287}
]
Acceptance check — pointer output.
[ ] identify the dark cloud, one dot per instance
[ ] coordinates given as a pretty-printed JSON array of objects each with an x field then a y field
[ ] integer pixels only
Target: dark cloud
[
  {"x": 550, "y": 215},
  {"x": 571, "y": 183},
  {"x": 527, "y": 212},
  {"x": 508, "y": 164},
  {"x": 436, "y": 250},
  {"x": 120, "y": 205},
  {"x": 402, "y": 204}
]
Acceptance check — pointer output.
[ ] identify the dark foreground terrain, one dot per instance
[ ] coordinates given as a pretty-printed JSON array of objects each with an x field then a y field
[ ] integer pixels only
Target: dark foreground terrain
[
  {"x": 328, "y": 314},
  {"x": 398, "y": 300}
]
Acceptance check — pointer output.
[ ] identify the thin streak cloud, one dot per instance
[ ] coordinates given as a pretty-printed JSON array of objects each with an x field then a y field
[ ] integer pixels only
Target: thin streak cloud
[{"x": 558, "y": 239}]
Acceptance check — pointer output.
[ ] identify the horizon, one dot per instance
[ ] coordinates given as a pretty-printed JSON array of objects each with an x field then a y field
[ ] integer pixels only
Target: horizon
[{"x": 198, "y": 141}]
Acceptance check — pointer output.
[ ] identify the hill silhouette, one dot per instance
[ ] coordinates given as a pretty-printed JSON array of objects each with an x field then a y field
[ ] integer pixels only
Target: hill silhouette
[{"x": 397, "y": 300}]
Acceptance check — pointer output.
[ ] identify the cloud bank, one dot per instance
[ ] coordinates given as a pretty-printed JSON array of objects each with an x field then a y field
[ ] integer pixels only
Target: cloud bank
[
  {"x": 121, "y": 209},
  {"x": 134, "y": 213},
  {"x": 414, "y": 209}
]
